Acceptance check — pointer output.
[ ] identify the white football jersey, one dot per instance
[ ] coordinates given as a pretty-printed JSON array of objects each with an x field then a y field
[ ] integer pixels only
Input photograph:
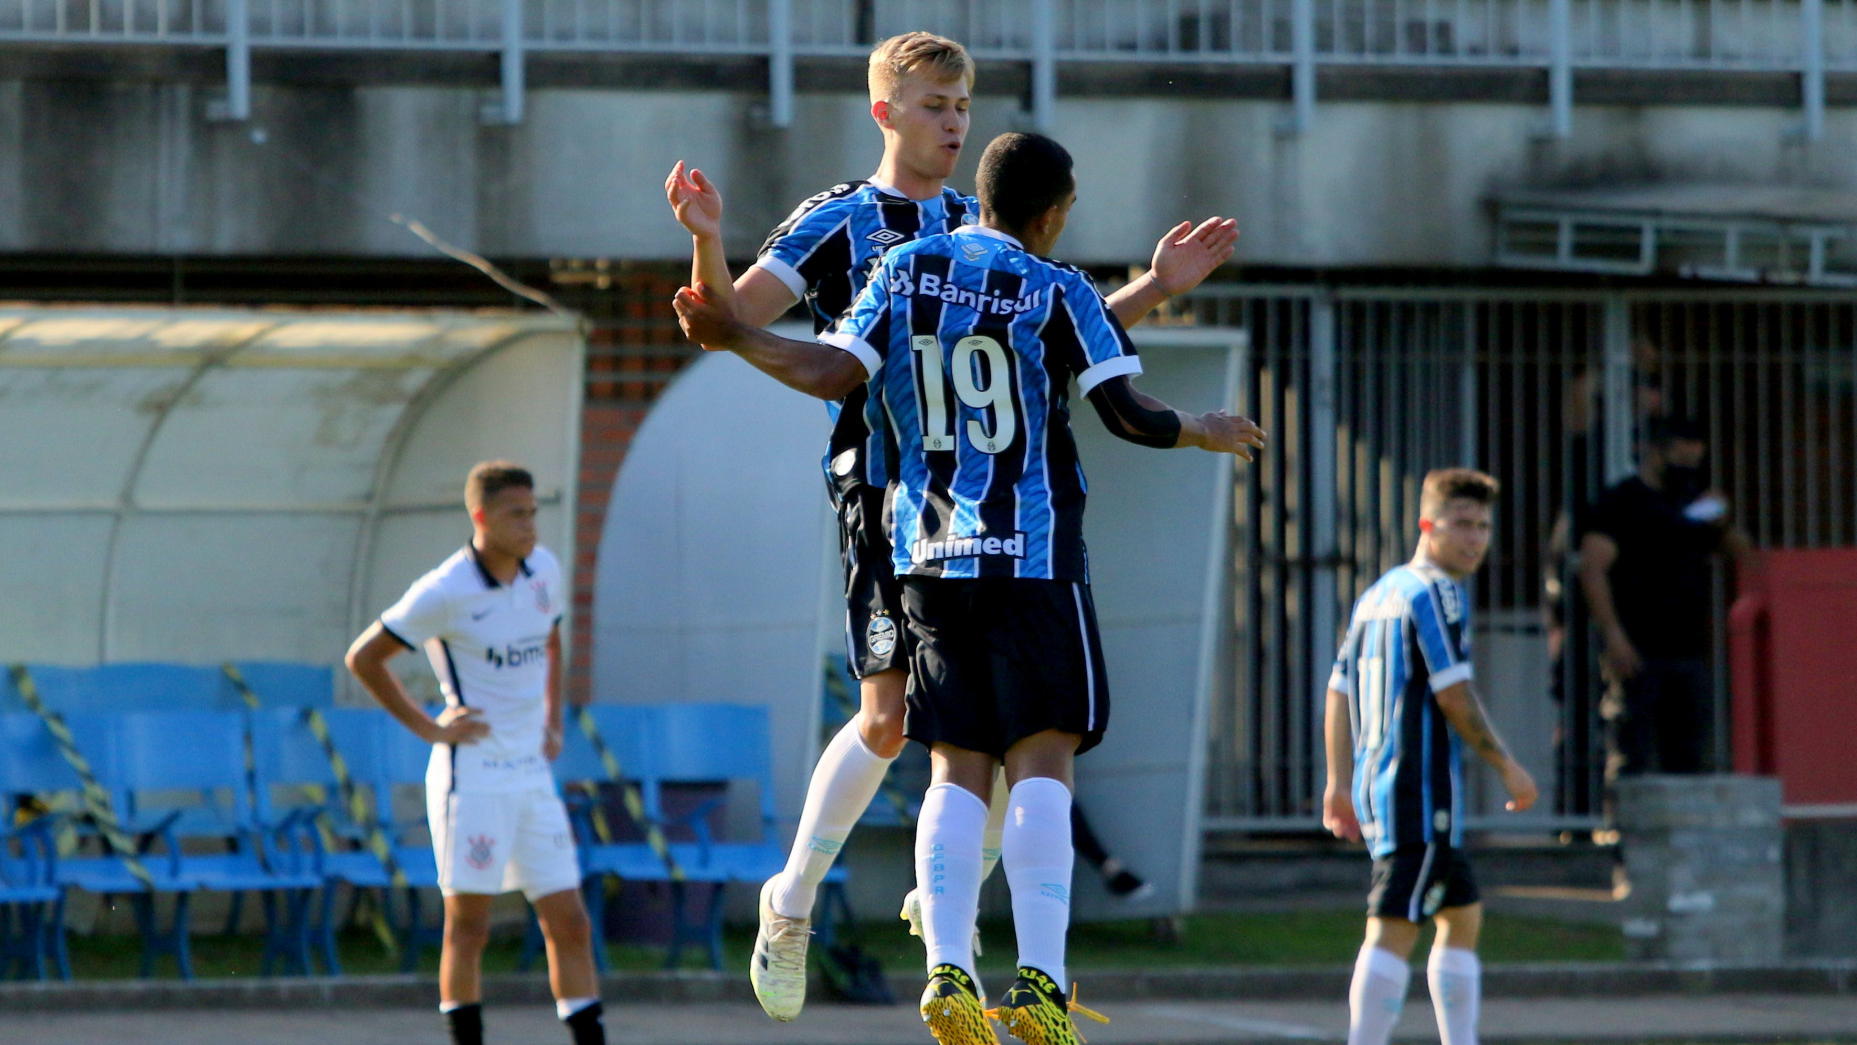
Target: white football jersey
[{"x": 488, "y": 644}]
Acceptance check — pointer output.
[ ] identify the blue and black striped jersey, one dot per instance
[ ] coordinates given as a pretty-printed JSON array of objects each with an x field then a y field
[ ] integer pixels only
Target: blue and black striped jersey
[
  {"x": 1408, "y": 640},
  {"x": 825, "y": 252},
  {"x": 972, "y": 343}
]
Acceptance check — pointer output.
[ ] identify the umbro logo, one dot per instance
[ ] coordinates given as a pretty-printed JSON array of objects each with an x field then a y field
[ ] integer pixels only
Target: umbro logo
[{"x": 886, "y": 237}]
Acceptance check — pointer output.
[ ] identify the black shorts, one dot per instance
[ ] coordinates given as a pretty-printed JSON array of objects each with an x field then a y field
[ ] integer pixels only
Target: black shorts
[
  {"x": 996, "y": 660},
  {"x": 873, "y": 598},
  {"x": 1417, "y": 881}
]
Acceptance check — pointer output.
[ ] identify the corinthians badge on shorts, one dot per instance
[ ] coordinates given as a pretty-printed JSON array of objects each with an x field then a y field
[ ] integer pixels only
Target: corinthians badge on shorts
[{"x": 880, "y": 635}]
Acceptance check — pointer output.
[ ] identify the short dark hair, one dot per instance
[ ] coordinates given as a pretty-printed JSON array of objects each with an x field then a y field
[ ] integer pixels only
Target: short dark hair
[
  {"x": 1444, "y": 485},
  {"x": 489, "y": 478},
  {"x": 1662, "y": 431},
  {"x": 1022, "y": 176}
]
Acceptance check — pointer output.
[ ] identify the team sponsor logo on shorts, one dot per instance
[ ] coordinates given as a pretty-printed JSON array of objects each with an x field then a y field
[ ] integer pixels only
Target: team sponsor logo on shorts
[
  {"x": 1434, "y": 899},
  {"x": 482, "y": 851},
  {"x": 968, "y": 548},
  {"x": 880, "y": 635}
]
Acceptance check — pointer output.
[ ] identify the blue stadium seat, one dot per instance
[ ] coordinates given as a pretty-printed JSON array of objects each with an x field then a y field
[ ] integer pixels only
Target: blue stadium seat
[
  {"x": 378, "y": 755},
  {"x": 716, "y": 744},
  {"x": 30, "y": 896},
  {"x": 202, "y": 753},
  {"x": 287, "y": 685},
  {"x": 581, "y": 773}
]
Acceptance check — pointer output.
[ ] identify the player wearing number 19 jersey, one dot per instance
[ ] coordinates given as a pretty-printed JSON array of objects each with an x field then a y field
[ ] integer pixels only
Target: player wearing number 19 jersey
[
  {"x": 822, "y": 255},
  {"x": 971, "y": 341}
]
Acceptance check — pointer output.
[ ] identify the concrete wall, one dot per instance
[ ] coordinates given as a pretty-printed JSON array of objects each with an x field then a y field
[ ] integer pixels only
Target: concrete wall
[{"x": 130, "y": 165}]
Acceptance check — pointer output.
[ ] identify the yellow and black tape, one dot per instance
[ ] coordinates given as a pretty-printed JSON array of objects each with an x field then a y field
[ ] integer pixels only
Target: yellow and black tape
[
  {"x": 352, "y": 800},
  {"x": 96, "y": 797},
  {"x": 634, "y": 801}
]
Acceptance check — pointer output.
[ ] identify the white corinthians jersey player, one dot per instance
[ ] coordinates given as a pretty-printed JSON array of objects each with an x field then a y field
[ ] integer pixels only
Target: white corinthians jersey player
[{"x": 488, "y": 643}]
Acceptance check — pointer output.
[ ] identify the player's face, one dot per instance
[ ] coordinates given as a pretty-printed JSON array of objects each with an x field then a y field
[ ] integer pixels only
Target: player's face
[
  {"x": 1460, "y": 536},
  {"x": 507, "y": 521},
  {"x": 930, "y": 120}
]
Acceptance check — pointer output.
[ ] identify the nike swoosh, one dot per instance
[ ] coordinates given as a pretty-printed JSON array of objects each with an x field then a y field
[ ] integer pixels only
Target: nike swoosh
[{"x": 486, "y": 613}]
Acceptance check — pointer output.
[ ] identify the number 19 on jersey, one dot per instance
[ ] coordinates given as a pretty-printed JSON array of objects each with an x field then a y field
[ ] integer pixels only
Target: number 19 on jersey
[{"x": 981, "y": 369}]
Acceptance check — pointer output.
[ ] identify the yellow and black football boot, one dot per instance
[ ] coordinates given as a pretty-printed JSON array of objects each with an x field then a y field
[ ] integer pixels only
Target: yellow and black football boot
[
  {"x": 953, "y": 1010},
  {"x": 1035, "y": 1011}
]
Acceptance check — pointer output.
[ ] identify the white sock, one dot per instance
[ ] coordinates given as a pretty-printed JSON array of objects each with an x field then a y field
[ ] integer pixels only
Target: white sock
[
  {"x": 996, "y": 826},
  {"x": 1039, "y": 858},
  {"x": 1376, "y": 996},
  {"x": 1456, "y": 978},
  {"x": 565, "y": 1007},
  {"x": 843, "y": 783},
  {"x": 948, "y": 872}
]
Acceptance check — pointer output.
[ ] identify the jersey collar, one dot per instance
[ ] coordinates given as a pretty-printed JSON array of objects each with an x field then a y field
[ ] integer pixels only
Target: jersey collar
[
  {"x": 896, "y": 193},
  {"x": 982, "y": 230},
  {"x": 490, "y": 580}
]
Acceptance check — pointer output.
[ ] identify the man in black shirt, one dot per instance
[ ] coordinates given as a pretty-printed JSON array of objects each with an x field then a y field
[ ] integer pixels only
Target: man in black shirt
[{"x": 1644, "y": 564}]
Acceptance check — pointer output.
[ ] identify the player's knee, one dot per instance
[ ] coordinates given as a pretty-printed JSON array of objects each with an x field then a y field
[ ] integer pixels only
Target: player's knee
[
  {"x": 467, "y": 933},
  {"x": 569, "y": 928},
  {"x": 882, "y": 730}
]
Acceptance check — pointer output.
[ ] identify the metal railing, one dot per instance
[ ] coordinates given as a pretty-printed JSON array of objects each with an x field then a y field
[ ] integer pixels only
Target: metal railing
[
  {"x": 1364, "y": 390},
  {"x": 1806, "y": 37}
]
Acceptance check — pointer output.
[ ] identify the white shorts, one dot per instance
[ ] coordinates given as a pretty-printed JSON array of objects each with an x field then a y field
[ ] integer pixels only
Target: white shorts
[{"x": 498, "y": 842}]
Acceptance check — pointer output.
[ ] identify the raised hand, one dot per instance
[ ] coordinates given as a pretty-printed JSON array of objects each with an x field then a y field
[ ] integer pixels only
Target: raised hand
[
  {"x": 695, "y": 201},
  {"x": 1188, "y": 254},
  {"x": 703, "y": 321},
  {"x": 1230, "y": 434}
]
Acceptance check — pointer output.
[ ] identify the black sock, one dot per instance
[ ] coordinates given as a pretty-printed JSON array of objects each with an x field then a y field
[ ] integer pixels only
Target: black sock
[
  {"x": 586, "y": 1027},
  {"x": 1123, "y": 883},
  {"x": 467, "y": 1024}
]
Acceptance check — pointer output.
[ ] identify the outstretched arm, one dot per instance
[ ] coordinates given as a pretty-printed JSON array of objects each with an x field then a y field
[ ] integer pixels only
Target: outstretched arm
[
  {"x": 1146, "y": 421},
  {"x": 1464, "y": 711},
  {"x": 758, "y": 297},
  {"x": 804, "y": 366},
  {"x": 1182, "y": 259}
]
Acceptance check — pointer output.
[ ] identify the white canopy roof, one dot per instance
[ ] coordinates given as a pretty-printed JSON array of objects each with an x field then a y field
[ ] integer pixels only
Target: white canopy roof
[{"x": 205, "y": 484}]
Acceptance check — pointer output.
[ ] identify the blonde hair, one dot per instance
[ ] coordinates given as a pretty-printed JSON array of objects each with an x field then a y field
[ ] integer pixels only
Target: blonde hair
[
  {"x": 935, "y": 57},
  {"x": 1449, "y": 484}
]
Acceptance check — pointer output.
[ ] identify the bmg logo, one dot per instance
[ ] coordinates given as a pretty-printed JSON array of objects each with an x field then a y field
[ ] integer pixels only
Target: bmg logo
[{"x": 515, "y": 656}]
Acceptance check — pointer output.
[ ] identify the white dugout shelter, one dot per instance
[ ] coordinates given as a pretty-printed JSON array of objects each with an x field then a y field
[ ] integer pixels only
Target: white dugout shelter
[
  {"x": 197, "y": 485},
  {"x": 719, "y": 581}
]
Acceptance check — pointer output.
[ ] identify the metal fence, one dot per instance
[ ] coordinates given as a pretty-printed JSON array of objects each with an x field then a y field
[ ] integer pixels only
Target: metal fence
[
  {"x": 1366, "y": 390},
  {"x": 1792, "y": 36}
]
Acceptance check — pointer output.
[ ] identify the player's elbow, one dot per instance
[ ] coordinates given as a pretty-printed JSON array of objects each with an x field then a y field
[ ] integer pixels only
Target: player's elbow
[
  {"x": 1128, "y": 417},
  {"x": 838, "y": 377},
  {"x": 364, "y": 655}
]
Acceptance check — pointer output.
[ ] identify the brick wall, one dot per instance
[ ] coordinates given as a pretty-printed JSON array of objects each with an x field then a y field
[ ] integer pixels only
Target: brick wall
[{"x": 633, "y": 352}]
